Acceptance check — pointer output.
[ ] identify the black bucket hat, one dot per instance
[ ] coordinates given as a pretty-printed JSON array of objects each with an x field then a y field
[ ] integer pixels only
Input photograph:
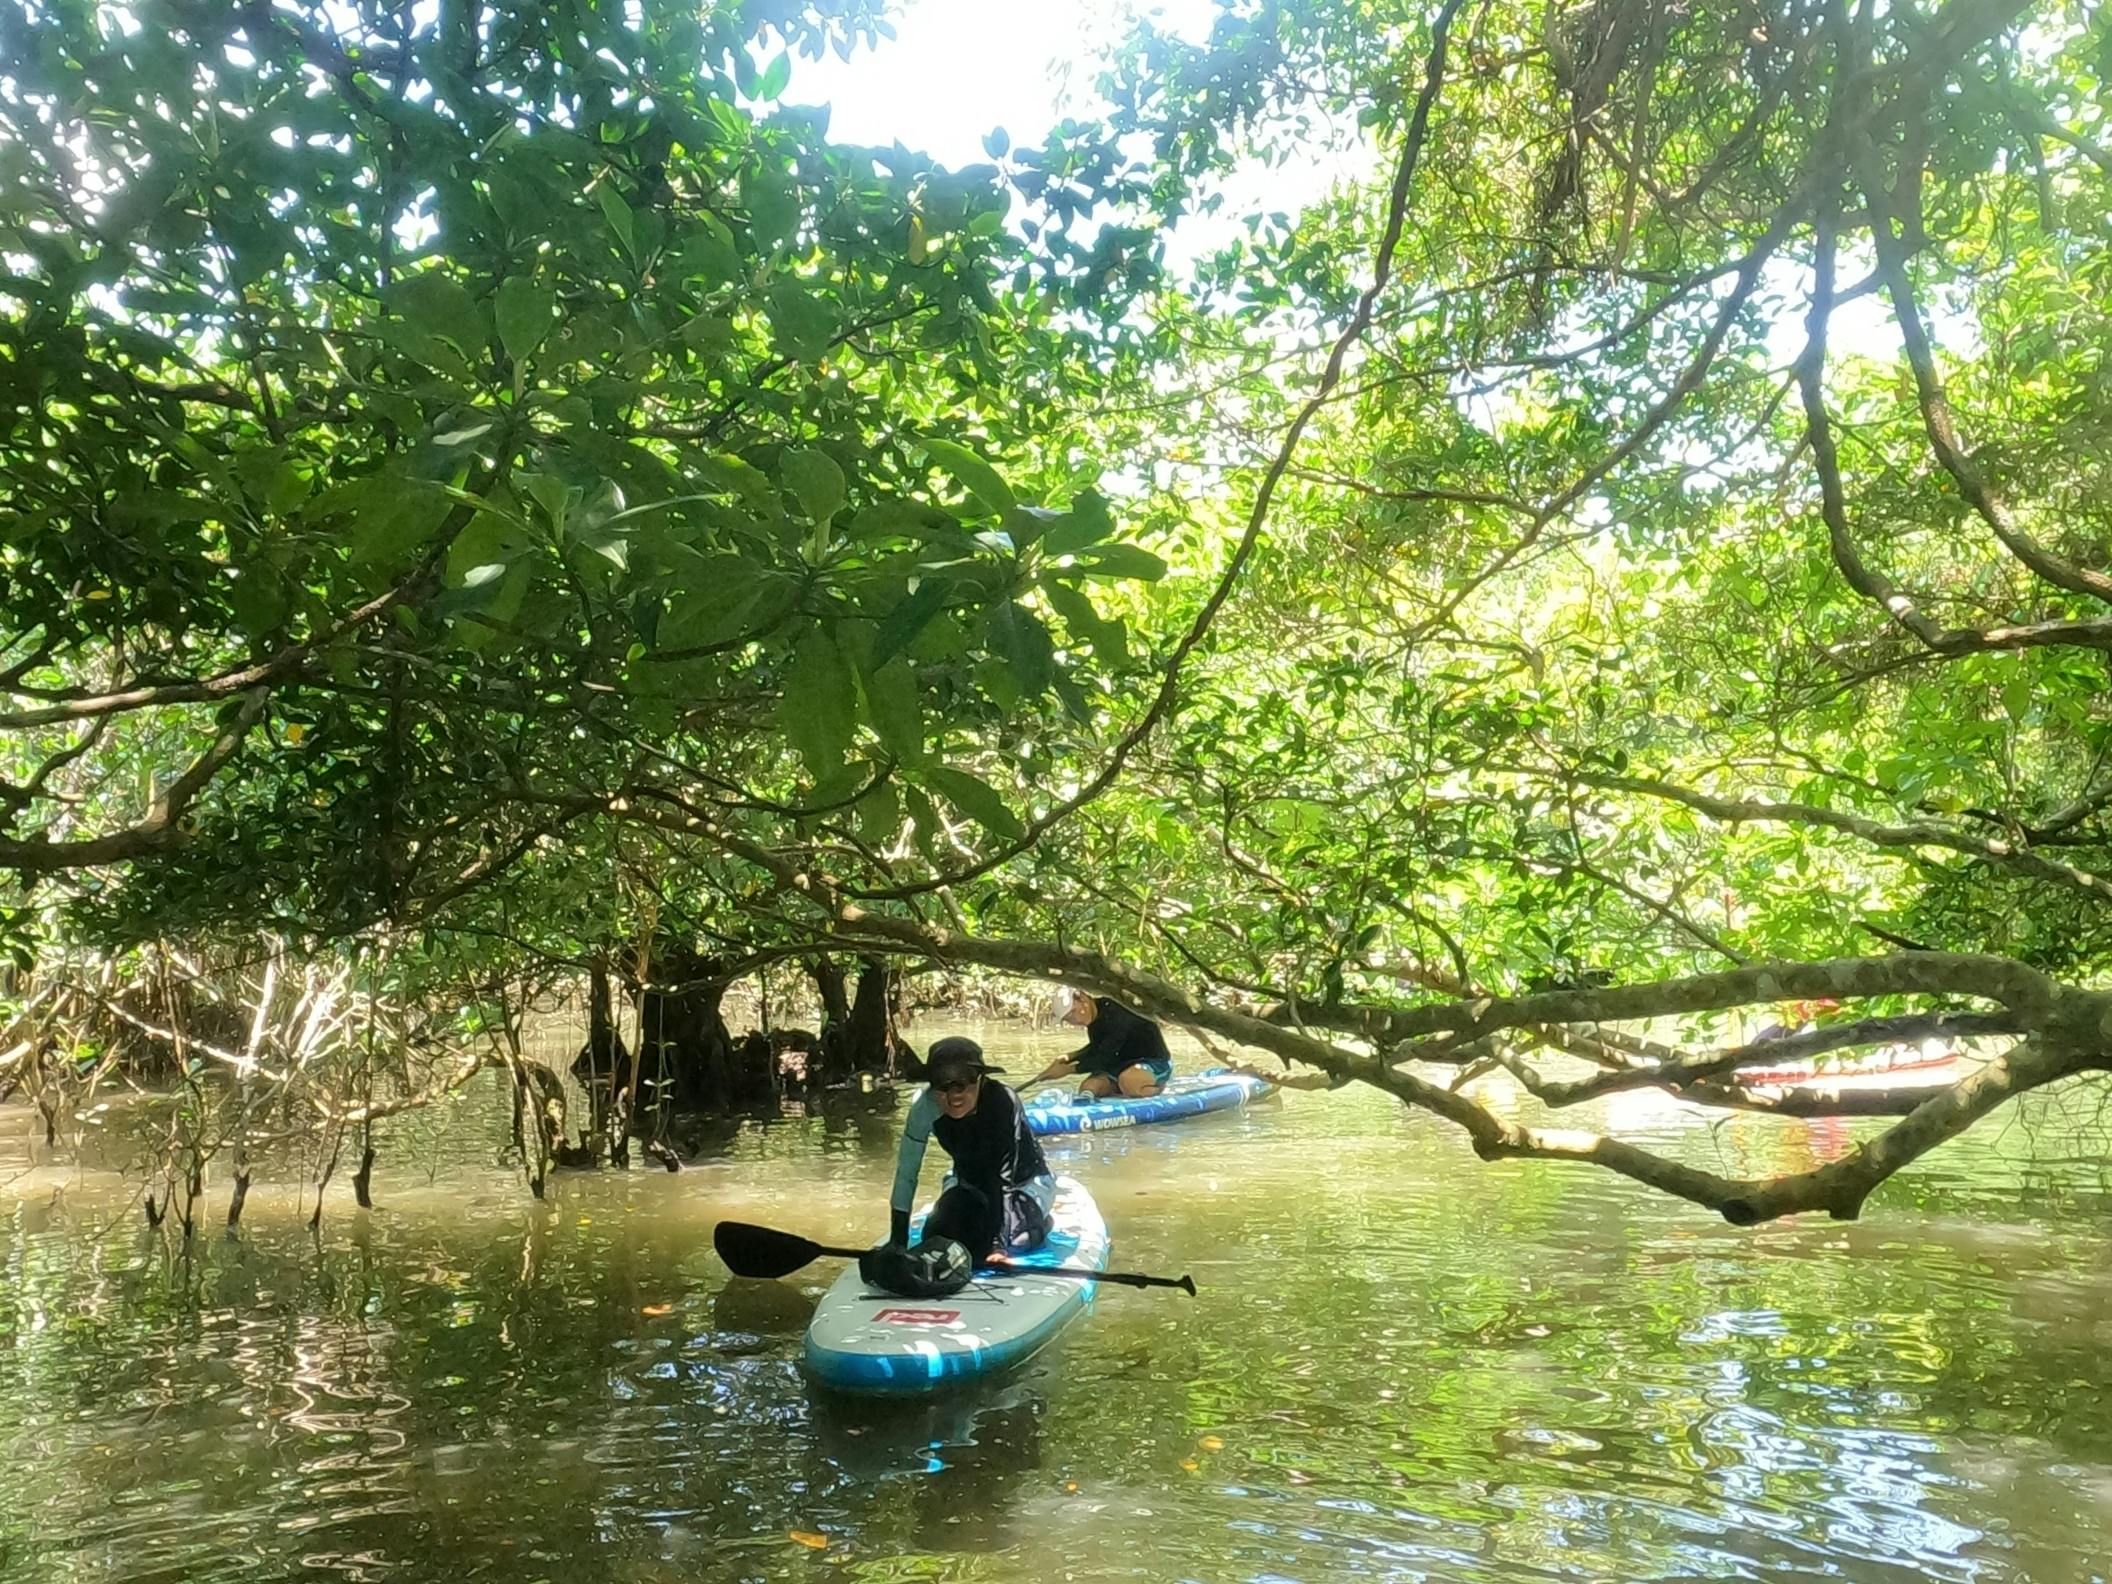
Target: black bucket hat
[{"x": 954, "y": 1058}]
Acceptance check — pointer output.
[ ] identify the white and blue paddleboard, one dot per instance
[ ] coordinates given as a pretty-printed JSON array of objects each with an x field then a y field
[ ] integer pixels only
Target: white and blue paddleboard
[
  {"x": 862, "y": 1339},
  {"x": 1051, "y": 1114}
]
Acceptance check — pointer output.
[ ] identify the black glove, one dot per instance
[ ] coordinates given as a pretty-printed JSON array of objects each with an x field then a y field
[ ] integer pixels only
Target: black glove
[{"x": 898, "y": 1228}]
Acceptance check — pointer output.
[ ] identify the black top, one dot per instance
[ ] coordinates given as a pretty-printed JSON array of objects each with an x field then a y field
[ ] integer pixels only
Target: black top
[
  {"x": 991, "y": 1147},
  {"x": 1118, "y": 1038}
]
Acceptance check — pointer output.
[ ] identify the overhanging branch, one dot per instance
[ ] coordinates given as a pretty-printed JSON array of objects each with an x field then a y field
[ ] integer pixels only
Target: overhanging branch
[{"x": 163, "y": 817}]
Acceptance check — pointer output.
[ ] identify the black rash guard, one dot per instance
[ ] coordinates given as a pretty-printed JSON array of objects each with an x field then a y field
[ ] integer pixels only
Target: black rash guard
[{"x": 990, "y": 1146}]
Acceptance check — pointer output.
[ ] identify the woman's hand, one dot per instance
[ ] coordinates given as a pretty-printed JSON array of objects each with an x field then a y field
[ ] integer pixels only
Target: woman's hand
[{"x": 1061, "y": 1067}]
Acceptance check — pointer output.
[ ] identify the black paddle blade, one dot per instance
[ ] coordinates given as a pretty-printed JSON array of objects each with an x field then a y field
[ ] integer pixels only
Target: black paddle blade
[{"x": 762, "y": 1251}]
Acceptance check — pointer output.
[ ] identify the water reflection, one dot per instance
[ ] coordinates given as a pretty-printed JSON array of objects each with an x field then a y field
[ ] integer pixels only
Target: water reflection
[
  {"x": 1404, "y": 1364},
  {"x": 961, "y": 1458}
]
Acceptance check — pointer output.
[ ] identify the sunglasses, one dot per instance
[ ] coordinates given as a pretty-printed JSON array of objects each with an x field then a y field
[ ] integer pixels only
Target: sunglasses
[{"x": 959, "y": 1085}]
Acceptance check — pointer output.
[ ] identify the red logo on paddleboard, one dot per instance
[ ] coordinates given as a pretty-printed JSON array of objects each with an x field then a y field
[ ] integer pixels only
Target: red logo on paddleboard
[{"x": 916, "y": 1317}]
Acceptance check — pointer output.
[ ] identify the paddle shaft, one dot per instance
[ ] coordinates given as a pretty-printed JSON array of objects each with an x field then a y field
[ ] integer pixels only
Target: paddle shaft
[
  {"x": 1121, "y": 1278},
  {"x": 1124, "y": 1278}
]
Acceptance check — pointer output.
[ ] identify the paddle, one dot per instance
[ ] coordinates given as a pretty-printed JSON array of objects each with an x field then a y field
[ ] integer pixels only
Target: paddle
[{"x": 763, "y": 1251}]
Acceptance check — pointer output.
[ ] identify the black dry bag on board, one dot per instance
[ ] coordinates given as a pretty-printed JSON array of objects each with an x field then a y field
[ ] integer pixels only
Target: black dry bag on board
[{"x": 934, "y": 1268}]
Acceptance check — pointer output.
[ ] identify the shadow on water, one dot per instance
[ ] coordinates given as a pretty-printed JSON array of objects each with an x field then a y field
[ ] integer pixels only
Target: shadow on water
[{"x": 765, "y": 1310}]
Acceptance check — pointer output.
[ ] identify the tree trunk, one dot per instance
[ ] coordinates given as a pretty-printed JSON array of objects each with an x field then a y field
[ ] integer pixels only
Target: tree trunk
[
  {"x": 690, "y": 1060},
  {"x": 828, "y": 983},
  {"x": 604, "y": 1057},
  {"x": 863, "y": 1040}
]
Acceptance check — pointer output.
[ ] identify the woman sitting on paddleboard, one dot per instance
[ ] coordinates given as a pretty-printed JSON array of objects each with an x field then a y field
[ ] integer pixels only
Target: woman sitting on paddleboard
[
  {"x": 1124, "y": 1053},
  {"x": 998, "y": 1200}
]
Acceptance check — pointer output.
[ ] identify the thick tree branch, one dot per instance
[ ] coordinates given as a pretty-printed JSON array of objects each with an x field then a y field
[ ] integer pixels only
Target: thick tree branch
[
  {"x": 15, "y": 799},
  {"x": 1935, "y": 402},
  {"x": 1991, "y": 849},
  {"x": 265, "y": 673},
  {"x": 1833, "y": 499},
  {"x": 2039, "y": 120},
  {"x": 1811, "y": 1100},
  {"x": 1838, "y": 1188},
  {"x": 1676, "y": 1074},
  {"x": 160, "y": 825}
]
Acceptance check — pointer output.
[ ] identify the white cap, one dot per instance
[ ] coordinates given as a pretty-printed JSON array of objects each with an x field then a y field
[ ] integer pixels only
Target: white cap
[{"x": 1061, "y": 1002}]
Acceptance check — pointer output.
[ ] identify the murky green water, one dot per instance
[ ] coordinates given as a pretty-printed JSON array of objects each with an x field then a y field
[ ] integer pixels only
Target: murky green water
[{"x": 1404, "y": 1365}]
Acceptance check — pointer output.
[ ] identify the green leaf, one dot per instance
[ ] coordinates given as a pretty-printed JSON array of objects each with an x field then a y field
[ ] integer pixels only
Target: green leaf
[
  {"x": 1124, "y": 561},
  {"x": 816, "y": 710},
  {"x": 1086, "y": 523},
  {"x": 1018, "y": 635},
  {"x": 895, "y": 517},
  {"x": 2017, "y": 696},
  {"x": 433, "y": 304},
  {"x": 978, "y": 477},
  {"x": 525, "y": 315},
  {"x": 1025, "y": 524},
  {"x": 274, "y": 483},
  {"x": 729, "y": 473},
  {"x": 428, "y": 351},
  {"x": 617, "y": 212},
  {"x": 1109, "y": 639},
  {"x": 393, "y": 518},
  {"x": 998, "y": 683},
  {"x": 602, "y": 526},
  {"x": 498, "y": 601},
  {"x": 714, "y": 606},
  {"x": 257, "y": 597},
  {"x": 1075, "y": 703},
  {"x": 975, "y": 798},
  {"x": 551, "y": 493},
  {"x": 774, "y": 78},
  {"x": 942, "y": 640},
  {"x": 465, "y": 430},
  {"x": 899, "y": 628},
  {"x": 815, "y": 479},
  {"x": 711, "y": 253},
  {"x": 802, "y": 326},
  {"x": 893, "y": 711},
  {"x": 996, "y": 142},
  {"x": 491, "y": 539},
  {"x": 880, "y": 815},
  {"x": 491, "y": 566},
  {"x": 772, "y": 203},
  {"x": 518, "y": 201}
]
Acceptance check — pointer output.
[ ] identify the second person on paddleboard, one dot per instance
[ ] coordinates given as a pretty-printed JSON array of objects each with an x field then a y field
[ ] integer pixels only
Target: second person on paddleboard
[{"x": 1125, "y": 1052}]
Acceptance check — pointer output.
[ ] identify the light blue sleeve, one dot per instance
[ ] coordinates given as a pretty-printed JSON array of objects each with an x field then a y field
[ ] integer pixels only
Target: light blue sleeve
[{"x": 909, "y": 1161}]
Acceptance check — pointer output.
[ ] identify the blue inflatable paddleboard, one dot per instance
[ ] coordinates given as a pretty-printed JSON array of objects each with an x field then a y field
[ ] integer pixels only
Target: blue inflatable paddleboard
[
  {"x": 865, "y": 1340},
  {"x": 1051, "y": 1114}
]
